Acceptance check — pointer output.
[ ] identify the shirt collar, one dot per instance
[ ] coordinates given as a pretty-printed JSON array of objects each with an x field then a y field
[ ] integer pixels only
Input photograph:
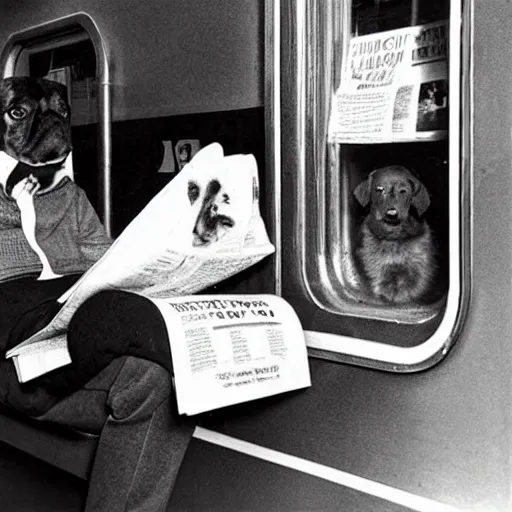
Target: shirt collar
[{"x": 8, "y": 163}]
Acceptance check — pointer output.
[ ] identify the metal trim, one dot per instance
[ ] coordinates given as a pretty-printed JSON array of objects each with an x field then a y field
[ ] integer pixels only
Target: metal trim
[{"x": 272, "y": 107}]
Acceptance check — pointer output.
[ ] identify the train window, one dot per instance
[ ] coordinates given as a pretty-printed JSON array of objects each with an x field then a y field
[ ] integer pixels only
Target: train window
[
  {"x": 70, "y": 50},
  {"x": 373, "y": 245}
]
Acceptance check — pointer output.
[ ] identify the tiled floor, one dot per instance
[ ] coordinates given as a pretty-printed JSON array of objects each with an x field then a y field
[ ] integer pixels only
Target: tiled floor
[{"x": 29, "y": 485}]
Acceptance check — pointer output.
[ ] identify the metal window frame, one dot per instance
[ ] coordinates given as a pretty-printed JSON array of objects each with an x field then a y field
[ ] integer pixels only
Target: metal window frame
[{"x": 369, "y": 353}]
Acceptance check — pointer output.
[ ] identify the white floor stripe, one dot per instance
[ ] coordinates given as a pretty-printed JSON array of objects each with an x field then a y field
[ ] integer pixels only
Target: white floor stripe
[{"x": 361, "y": 484}]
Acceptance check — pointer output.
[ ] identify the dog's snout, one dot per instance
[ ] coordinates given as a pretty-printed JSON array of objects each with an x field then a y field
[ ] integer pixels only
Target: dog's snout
[{"x": 392, "y": 216}]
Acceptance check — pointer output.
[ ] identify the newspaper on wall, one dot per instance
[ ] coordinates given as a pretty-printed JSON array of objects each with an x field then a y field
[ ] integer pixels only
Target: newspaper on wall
[
  {"x": 394, "y": 87},
  {"x": 202, "y": 228},
  {"x": 229, "y": 349}
]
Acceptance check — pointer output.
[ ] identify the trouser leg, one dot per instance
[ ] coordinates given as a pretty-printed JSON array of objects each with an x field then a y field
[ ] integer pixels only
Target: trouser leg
[
  {"x": 141, "y": 446},
  {"x": 25, "y": 306},
  {"x": 109, "y": 325}
]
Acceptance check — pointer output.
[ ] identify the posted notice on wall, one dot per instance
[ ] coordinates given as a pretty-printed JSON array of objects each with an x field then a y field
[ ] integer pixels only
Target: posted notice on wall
[
  {"x": 394, "y": 87},
  {"x": 229, "y": 349}
]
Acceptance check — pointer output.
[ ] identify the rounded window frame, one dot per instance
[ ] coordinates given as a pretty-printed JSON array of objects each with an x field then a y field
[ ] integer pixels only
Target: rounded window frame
[{"x": 353, "y": 349}]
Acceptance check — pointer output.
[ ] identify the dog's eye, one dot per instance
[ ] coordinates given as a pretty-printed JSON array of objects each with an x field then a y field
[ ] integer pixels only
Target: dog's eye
[
  {"x": 380, "y": 190},
  {"x": 402, "y": 191},
  {"x": 17, "y": 113}
]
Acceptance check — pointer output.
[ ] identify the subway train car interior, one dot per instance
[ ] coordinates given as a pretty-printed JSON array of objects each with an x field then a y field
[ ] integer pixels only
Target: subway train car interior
[{"x": 377, "y": 138}]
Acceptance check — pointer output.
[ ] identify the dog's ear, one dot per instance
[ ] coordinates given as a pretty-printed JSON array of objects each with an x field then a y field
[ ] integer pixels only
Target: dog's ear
[
  {"x": 420, "y": 196},
  {"x": 363, "y": 191}
]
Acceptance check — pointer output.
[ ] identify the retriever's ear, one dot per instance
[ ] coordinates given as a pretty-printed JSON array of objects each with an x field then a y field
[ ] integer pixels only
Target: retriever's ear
[
  {"x": 420, "y": 196},
  {"x": 363, "y": 191}
]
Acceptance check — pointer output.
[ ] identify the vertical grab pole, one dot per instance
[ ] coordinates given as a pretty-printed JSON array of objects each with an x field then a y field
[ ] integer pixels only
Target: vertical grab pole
[
  {"x": 105, "y": 123},
  {"x": 105, "y": 106}
]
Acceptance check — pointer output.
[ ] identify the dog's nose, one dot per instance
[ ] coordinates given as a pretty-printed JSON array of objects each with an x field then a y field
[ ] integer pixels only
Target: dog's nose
[{"x": 392, "y": 213}]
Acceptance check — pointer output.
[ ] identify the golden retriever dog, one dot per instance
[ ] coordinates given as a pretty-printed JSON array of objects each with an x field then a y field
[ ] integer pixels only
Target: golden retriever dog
[{"x": 397, "y": 249}]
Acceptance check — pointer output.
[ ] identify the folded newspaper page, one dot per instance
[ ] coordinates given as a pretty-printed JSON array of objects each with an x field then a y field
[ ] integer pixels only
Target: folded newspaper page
[
  {"x": 229, "y": 349},
  {"x": 394, "y": 87},
  {"x": 202, "y": 228}
]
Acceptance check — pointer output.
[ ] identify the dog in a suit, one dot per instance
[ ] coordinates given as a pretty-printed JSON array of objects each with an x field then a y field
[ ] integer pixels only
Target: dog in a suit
[
  {"x": 397, "y": 251},
  {"x": 51, "y": 222},
  {"x": 35, "y": 129}
]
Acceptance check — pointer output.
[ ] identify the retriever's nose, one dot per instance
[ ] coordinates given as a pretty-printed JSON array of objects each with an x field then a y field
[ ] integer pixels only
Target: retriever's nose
[{"x": 392, "y": 214}]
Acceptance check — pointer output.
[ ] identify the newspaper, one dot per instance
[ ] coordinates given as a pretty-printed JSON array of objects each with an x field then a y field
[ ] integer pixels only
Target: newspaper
[
  {"x": 394, "y": 87},
  {"x": 202, "y": 228},
  {"x": 228, "y": 349}
]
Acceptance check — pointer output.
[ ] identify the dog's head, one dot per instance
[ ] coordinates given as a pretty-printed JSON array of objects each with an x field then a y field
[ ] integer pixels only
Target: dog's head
[
  {"x": 390, "y": 192},
  {"x": 34, "y": 123},
  {"x": 213, "y": 219}
]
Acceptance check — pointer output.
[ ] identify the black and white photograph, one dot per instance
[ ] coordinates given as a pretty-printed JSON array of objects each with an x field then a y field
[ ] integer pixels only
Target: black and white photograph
[
  {"x": 255, "y": 256},
  {"x": 433, "y": 106}
]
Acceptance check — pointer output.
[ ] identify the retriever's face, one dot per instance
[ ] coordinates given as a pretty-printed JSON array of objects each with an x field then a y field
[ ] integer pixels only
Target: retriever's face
[
  {"x": 391, "y": 196},
  {"x": 391, "y": 191},
  {"x": 213, "y": 220}
]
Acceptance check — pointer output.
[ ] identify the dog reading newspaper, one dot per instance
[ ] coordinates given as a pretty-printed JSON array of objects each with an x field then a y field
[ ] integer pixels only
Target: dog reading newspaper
[{"x": 203, "y": 227}]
